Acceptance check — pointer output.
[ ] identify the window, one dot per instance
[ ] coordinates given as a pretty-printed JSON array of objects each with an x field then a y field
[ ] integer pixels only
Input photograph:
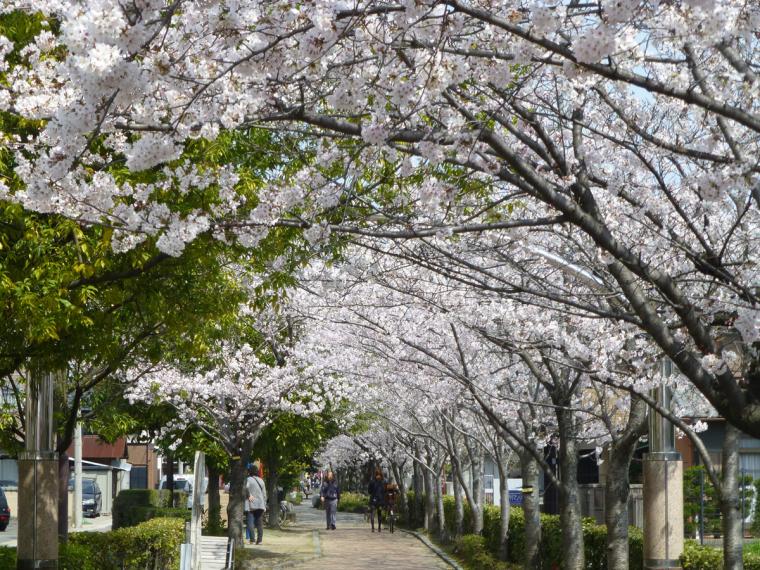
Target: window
[
  {"x": 750, "y": 464},
  {"x": 488, "y": 487}
]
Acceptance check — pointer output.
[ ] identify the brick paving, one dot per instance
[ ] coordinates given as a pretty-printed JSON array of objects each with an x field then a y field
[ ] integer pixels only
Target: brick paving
[
  {"x": 307, "y": 545},
  {"x": 358, "y": 548}
]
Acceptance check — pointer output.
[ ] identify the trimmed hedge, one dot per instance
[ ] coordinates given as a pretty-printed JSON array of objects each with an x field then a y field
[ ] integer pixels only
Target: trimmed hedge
[
  {"x": 696, "y": 557},
  {"x": 73, "y": 556},
  {"x": 134, "y": 506},
  {"x": 471, "y": 548},
  {"x": 153, "y": 544},
  {"x": 594, "y": 537},
  {"x": 7, "y": 558}
]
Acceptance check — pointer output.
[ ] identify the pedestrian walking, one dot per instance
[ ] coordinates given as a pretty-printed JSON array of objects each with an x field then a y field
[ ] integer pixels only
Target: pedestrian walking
[
  {"x": 255, "y": 503},
  {"x": 376, "y": 492},
  {"x": 330, "y": 495}
]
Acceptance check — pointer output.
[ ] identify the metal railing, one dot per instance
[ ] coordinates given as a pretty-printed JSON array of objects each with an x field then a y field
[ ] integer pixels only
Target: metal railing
[{"x": 229, "y": 560}]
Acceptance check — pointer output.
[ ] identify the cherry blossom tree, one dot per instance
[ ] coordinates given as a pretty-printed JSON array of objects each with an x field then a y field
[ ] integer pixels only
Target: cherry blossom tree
[
  {"x": 527, "y": 371},
  {"x": 233, "y": 396},
  {"x": 633, "y": 122},
  {"x": 605, "y": 153}
]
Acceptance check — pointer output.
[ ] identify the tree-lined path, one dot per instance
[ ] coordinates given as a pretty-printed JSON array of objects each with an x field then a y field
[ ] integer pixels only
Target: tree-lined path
[
  {"x": 453, "y": 240},
  {"x": 352, "y": 545}
]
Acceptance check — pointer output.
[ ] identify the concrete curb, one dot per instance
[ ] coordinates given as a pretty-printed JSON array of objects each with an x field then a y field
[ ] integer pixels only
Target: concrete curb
[
  {"x": 317, "y": 544},
  {"x": 440, "y": 553}
]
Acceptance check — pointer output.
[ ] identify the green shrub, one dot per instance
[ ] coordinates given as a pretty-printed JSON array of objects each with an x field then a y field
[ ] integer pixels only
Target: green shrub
[
  {"x": 152, "y": 544},
  {"x": 353, "y": 502},
  {"x": 74, "y": 556},
  {"x": 551, "y": 541},
  {"x": 449, "y": 509},
  {"x": 7, "y": 558},
  {"x": 751, "y": 561},
  {"x": 594, "y": 535},
  {"x": 472, "y": 549},
  {"x": 415, "y": 510},
  {"x": 134, "y": 506},
  {"x": 595, "y": 545},
  {"x": 696, "y": 557},
  {"x": 492, "y": 527},
  {"x": 635, "y": 548},
  {"x": 295, "y": 497}
]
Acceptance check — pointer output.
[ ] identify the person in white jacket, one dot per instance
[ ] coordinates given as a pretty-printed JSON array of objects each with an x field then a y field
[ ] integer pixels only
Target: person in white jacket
[{"x": 255, "y": 503}]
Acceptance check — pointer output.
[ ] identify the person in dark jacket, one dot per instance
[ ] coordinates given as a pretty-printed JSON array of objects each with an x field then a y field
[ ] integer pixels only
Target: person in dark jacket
[
  {"x": 376, "y": 494},
  {"x": 330, "y": 495}
]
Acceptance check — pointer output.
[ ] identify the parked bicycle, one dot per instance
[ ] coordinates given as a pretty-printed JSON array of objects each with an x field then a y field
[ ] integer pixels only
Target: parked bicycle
[{"x": 282, "y": 513}]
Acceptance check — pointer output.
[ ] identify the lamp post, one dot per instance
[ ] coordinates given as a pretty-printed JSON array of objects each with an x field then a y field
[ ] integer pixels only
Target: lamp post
[
  {"x": 38, "y": 479},
  {"x": 77, "y": 507},
  {"x": 663, "y": 487}
]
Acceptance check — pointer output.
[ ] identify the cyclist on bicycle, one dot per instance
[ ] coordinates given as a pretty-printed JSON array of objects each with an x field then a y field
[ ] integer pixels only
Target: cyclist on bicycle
[{"x": 391, "y": 495}]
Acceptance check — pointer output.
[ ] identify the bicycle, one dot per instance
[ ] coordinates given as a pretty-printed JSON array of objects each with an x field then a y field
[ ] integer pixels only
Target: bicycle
[
  {"x": 391, "y": 518},
  {"x": 391, "y": 494},
  {"x": 282, "y": 515}
]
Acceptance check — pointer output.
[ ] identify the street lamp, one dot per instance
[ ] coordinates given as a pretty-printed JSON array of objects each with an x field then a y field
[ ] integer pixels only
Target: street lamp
[
  {"x": 77, "y": 507},
  {"x": 663, "y": 486}
]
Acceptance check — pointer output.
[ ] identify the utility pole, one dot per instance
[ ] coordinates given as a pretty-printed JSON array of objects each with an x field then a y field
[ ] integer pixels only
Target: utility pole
[
  {"x": 78, "y": 476},
  {"x": 38, "y": 479},
  {"x": 663, "y": 487}
]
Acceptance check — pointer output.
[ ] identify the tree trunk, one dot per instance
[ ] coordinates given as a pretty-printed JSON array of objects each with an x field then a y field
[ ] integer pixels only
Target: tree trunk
[
  {"x": 617, "y": 487},
  {"x": 531, "y": 509},
  {"x": 169, "y": 480},
  {"x": 273, "y": 477},
  {"x": 730, "y": 504},
  {"x": 415, "y": 512},
  {"x": 478, "y": 490},
  {"x": 570, "y": 511},
  {"x": 616, "y": 491},
  {"x": 398, "y": 476},
  {"x": 472, "y": 499},
  {"x": 458, "y": 503},
  {"x": 503, "y": 465},
  {"x": 64, "y": 472},
  {"x": 443, "y": 532},
  {"x": 214, "y": 500},
  {"x": 236, "y": 505},
  {"x": 429, "y": 501}
]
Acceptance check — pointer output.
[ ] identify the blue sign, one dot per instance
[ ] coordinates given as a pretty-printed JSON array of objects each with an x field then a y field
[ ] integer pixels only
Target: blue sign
[{"x": 515, "y": 498}]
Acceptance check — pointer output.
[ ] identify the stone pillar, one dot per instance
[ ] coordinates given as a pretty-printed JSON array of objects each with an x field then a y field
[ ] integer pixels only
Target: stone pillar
[
  {"x": 663, "y": 488},
  {"x": 663, "y": 510},
  {"x": 38, "y": 480},
  {"x": 38, "y": 511}
]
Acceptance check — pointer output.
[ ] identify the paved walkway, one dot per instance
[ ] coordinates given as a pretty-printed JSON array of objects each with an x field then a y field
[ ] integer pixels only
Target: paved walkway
[{"x": 306, "y": 545}]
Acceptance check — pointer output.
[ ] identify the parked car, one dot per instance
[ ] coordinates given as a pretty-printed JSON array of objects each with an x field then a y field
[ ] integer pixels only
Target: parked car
[
  {"x": 92, "y": 497},
  {"x": 184, "y": 483},
  {"x": 5, "y": 512}
]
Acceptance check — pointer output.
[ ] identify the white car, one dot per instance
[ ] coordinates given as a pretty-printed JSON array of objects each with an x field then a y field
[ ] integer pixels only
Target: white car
[{"x": 184, "y": 483}]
